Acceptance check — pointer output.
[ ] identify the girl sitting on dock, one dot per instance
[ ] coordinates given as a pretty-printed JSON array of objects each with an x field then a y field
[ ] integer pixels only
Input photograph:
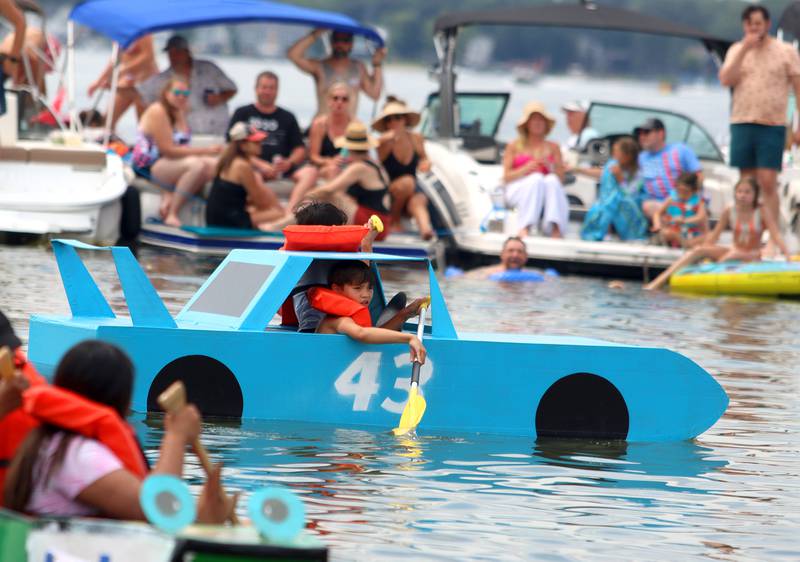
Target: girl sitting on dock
[{"x": 748, "y": 222}]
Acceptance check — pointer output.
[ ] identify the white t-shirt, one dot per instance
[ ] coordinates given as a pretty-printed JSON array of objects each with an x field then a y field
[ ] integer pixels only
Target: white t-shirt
[{"x": 578, "y": 142}]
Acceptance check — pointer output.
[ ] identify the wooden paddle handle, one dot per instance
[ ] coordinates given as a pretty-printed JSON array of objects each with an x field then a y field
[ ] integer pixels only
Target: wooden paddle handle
[
  {"x": 172, "y": 400},
  {"x": 7, "y": 369}
]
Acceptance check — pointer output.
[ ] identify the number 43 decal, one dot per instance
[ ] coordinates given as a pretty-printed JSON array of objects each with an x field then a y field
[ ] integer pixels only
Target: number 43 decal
[{"x": 360, "y": 379}]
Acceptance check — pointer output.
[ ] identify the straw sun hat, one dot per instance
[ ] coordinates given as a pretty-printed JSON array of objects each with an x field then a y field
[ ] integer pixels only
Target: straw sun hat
[
  {"x": 532, "y": 108},
  {"x": 395, "y": 108},
  {"x": 356, "y": 137}
]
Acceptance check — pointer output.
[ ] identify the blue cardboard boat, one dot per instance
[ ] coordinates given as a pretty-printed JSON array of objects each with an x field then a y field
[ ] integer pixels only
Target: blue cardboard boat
[{"x": 236, "y": 360}]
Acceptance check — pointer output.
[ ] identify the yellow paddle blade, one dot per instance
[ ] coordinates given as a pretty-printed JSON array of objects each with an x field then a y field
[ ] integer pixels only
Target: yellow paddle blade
[
  {"x": 377, "y": 223},
  {"x": 412, "y": 413}
]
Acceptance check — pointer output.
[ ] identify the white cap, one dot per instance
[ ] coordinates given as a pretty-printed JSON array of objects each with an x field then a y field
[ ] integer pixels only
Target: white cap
[{"x": 576, "y": 105}]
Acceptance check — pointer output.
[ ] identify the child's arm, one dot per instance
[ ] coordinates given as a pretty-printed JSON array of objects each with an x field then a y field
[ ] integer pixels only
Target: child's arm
[
  {"x": 657, "y": 216},
  {"x": 775, "y": 235},
  {"x": 375, "y": 227},
  {"x": 345, "y": 325},
  {"x": 722, "y": 224},
  {"x": 701, "y": 217}
]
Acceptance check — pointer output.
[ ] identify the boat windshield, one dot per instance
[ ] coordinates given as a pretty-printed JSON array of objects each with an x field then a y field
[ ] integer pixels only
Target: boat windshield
[
  {"x": 479, "y": 114},
  {"x": 611, "y": 120}
]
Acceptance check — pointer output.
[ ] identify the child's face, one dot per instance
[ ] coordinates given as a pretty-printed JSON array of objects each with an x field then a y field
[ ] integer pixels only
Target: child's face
[
  {"x": 620, "y": 155},
  {"x": 745, "y": 194},
  {"x": 683, "y": 191},
  {"x": 361, "y": 293}
]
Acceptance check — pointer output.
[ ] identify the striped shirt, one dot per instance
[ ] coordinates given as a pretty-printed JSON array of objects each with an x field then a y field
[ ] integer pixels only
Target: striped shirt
[{"x": 660, "y": 170}]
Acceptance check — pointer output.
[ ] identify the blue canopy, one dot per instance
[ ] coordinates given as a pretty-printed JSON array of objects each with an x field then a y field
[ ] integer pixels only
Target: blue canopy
[{"x": 124, "y": 21}]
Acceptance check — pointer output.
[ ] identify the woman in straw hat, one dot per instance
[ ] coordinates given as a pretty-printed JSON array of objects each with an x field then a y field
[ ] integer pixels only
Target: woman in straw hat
[
  {"x": 361, "y": 190},
  {"x": 402, "y": 153},
  {"x": 322, "y": 150},
  {"x": 533, "y": 173}
]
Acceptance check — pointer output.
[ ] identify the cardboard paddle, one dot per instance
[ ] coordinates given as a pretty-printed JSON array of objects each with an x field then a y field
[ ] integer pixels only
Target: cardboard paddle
[
  {"x": 6, "y": 363},
  {"x": 415, "y": 406}
]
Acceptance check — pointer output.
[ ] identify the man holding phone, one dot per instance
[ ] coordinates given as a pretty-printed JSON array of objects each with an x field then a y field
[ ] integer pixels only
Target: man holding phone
[{"x": 760, "y": 70}]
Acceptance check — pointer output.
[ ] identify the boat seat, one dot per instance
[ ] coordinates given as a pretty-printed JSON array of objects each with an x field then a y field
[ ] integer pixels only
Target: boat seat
[
  {"x": 13, "y": 153},
  {"x": 77, "y": 158}
]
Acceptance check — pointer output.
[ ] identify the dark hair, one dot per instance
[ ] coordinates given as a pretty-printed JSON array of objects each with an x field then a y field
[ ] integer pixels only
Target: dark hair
[
  {"x": 752, "y": 182},
  {"x": 514, "y": 239},
  {"x": 320, "y": 213},
  {"x": 350, "y": 272},
  {"x": 162, "y": 98},
  {"x": 752, "y": 9},
  {"x": 630, "y": 147},
  {"x": 267, "y": 74},
  {"x": 91, "y": 118},
  {"x": 691, "y": 180},
  {"x": 94, "y": 369},
  {"x": 231, "y": 153}
]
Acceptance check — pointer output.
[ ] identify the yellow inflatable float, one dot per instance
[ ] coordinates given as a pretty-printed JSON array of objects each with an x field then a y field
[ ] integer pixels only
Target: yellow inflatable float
[{"x": 765, "y": 278}]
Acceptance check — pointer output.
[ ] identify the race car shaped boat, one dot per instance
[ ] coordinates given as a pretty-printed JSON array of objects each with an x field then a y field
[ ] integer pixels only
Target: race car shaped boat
[{"x": 237, "y": 360}]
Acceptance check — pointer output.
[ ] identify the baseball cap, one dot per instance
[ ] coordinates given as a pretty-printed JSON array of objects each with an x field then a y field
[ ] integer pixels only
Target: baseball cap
[
  {"x": 7, "y": 335},
  {"x": 651, "y": 124},
  {"x": 576, "y": 105},
  {"x": 241, "y": 131},
  {"x": 177, "y": 42}
]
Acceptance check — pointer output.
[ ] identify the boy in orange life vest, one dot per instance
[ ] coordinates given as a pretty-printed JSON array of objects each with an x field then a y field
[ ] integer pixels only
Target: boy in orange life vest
[{"x": 345, "y": 305}]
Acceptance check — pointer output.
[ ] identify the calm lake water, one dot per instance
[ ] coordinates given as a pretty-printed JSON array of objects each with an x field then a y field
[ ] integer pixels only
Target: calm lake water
[{"x": 732, "y": 494}]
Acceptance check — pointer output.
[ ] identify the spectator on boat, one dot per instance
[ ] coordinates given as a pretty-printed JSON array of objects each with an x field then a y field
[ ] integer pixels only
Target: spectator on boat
[
  {"x": 513, "y": 257},
  {"x": 682, "y": 219},
  {"x": 56, "y": 472},
  {"x": 618, "y": 204},
  {"x": 325, "y": 128},
  {"x": 533, "y": 173},
  {"x": 137, "y": 64},
  {"x": 402, "y": 153},
  {"x": 162, "y": 150},
  {"x": 238, "y": 197},
  {"x": 350, "y": 285},
  {"x": 283, "y": 153},
  {"x": 339, "y": 67},
  {"x": 661, "y": 164},
  {"x": 578, "y": 124},
  {"x": 761, "y": 71},
  {"x": 748, "y": 220},
  {"x": 209, "y": 88},
  {"x": 41, "y": 52},
  {"x": 11, "y": 54}
]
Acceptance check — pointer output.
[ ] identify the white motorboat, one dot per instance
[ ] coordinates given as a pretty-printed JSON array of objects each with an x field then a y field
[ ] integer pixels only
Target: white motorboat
[{"x": 461, "y": 131}]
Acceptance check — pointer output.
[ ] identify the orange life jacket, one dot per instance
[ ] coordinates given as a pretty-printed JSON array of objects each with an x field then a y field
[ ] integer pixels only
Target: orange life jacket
[
  {"x": 315, "y": 238},
  {"x": 43, "y": 403},
  {"x": 335, "y": 304}
]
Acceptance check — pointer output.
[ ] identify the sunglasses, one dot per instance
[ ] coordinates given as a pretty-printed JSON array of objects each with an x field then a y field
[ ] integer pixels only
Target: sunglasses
[
  {"x": 341, "y": 39},
  {"x": 395, "y": 117},
  {"x": 340, "y": 98},
  {"x": 179, "y": 92}
]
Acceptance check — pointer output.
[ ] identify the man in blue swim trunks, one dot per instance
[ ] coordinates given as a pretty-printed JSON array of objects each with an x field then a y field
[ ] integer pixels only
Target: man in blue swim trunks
[{"x": 661, "y": 164}]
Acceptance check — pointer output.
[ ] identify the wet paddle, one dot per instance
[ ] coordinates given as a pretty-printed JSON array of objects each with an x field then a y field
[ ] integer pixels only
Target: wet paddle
[
  {"x": 172, "y": 400},
  {"x": 415, "y": 407}
]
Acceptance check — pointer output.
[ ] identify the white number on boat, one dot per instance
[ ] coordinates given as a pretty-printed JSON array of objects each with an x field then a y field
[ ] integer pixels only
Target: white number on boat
[
  {"x": 403, "y": 383},
  {"x": 365, "y": 367}
]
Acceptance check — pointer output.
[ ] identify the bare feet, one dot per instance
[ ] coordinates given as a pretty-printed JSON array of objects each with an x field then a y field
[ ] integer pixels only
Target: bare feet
[
  {"x": 555, "y": 232},
  {"x": 426, "y": 235},
  {"x": 172, "y": 220},
  {"x": 523, "y": 232},
  {"x": 163, "y": 208}
]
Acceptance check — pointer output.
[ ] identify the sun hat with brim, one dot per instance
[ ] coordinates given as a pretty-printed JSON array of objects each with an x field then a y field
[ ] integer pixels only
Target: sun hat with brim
[
  {"x": 356, "y": 137},
  {"x": 395, "y": 108},
  {"x": 242, "y": 132},
  {"x": 531, "y": 109}
]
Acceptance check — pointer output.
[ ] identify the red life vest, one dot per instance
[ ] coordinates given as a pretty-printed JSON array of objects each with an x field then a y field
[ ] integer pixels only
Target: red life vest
[
  {"x": 43, "y": 403},
  {"x": 335, "y": 304},
  {"x": 314, "y": 238}
]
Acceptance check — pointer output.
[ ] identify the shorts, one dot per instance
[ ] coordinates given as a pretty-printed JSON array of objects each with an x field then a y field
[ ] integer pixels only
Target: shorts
[
  {"x": 757, "y": 146},
  {"x": 364, "y": 213}
]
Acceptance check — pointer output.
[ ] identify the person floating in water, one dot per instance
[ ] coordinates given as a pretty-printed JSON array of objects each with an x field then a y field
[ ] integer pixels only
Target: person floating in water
[{"x": 748, "y": 222}]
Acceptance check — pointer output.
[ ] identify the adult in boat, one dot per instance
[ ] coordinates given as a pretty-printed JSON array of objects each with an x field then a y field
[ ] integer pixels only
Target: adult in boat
[
  {"x": 137, "y": 63},
  {"x": 283, "y": 152},
  {"x": 748, "y": 219},
  {"x": 339, "y": 67},
  {"x": 238, "y": 196},
  {"x": 402, "y": 153},
  {"x": 210, "y": 89},
  {"x": 580, "y": 131},
  {"x": 10, "y": 55},
  {"x": 162, "y": 149},
  {"x": 760, "y": 70},
  {"x": 619, "y": 200},
  {"x": 661, "y": 164},
  {"x": 533, "y": 174},
  {"x": 322, "y": 151},
  {"x": 59, "y": 472},
  {"x": 41, "y": 52},
  {"x": 513, "y": 258}
]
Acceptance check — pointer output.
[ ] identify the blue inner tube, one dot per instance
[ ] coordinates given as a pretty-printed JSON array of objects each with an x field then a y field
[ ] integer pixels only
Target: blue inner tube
[{"x": 517, "y": 275}]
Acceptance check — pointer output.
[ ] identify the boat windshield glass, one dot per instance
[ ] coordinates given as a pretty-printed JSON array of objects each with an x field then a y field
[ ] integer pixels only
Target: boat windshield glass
[
  {"x": 233, "y": 289},
  {"x": 479, "y": 114},
  {"x": 614, "y": 120}
]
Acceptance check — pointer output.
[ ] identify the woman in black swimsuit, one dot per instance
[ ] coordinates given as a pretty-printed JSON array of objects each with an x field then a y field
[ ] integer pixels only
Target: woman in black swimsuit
[
  {"x": 402, "y": 153},
  {"x": 321, "y": 150},
  {"x": 238, "y": 197}
]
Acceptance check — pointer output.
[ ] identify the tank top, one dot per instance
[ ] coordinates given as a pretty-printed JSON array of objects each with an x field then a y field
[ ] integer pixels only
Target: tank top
[
  {"x": 395, "y": 168},
  {"x": 226, "y": 205},
  {"x": 747, "y": 235},
  {"x": 687, "y": 209},
  {"x": 351, "y": 76},
  {"x": 371, "y": 198},
  {"x": 328, "y": 149},
  {"x": 145, "y": 150},
  {"x": 523, "y": 158}
]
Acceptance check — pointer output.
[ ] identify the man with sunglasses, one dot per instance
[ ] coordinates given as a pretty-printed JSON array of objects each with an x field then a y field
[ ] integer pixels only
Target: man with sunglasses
[
  {"x": 209, "y": 93},
  {"x": 338, "y": 67},
  {"x": 660, "y": 164}
]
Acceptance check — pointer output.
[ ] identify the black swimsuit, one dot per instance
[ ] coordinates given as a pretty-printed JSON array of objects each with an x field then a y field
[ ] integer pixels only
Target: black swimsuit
[
  {"x": 395, "y": 168},
  {"x": 370, "y": 198},
  {"x": 226, "y": 205},
  {"x": 328, "y": 150}
]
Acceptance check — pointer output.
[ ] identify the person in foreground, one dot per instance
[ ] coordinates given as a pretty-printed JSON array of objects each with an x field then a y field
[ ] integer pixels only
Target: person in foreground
[
  {"x": 345, "y": 304},
  {"x": 748, "y": 221},
  {"x": 238, "y": 197},
  {"x": 60, "y": 473}
]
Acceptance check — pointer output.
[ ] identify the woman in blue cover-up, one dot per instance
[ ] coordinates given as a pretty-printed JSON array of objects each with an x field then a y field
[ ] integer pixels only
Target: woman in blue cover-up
[{"x": 618, "y": 204}]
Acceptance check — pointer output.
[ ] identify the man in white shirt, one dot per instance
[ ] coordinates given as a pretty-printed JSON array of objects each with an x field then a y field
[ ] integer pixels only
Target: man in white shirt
[{"x": 580, "y": 131}]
